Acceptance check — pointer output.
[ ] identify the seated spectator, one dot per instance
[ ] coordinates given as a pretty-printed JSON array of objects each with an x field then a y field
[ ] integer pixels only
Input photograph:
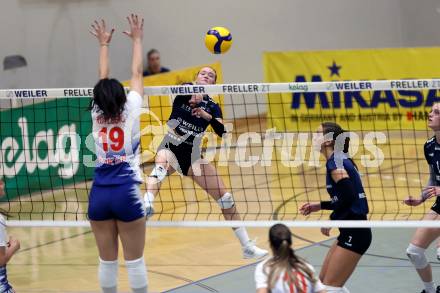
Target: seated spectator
[{"x": 153, "y": 63}]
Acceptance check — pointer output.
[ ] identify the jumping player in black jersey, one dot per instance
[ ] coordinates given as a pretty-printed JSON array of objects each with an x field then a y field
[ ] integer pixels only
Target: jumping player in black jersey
[
  {"x": 423, "y": 237},
  {"x": 180, "y": 151},
  {"x": 348, "y": 202}
]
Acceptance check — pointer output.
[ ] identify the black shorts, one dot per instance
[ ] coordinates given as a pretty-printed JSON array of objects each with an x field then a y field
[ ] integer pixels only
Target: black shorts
[
  {"x": 186, "y": 154},
  {"x": 355, "y": 239},
  {"x": 436, "y": 206}
]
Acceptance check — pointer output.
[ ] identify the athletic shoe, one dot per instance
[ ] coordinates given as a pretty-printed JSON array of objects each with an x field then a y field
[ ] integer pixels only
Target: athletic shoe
[
  {"x": 253, "y": 251},
  {"x": 436, "y": 291}
]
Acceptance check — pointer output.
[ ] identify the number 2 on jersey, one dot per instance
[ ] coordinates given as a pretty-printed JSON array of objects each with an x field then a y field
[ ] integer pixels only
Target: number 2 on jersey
[{"x": 116, "y": 137}]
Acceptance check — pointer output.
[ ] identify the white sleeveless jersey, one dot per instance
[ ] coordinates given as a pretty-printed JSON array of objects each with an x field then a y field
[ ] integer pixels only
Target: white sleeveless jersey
[
  {"x": 302, "y": 285},
  {"x": 117, "y": 144}
]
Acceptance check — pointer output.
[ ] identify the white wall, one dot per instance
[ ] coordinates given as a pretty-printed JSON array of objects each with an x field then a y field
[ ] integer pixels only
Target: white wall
[
  {"x": 53, "y": 34},
  {"x": 421, "y": 22}
]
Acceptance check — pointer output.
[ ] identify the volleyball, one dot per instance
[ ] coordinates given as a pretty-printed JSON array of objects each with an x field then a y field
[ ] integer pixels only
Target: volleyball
[{"x": 218, "y": 40}]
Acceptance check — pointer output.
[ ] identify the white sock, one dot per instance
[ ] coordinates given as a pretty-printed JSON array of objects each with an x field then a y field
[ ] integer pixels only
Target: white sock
[
  {"x": 108, "y": 275},
  {"x": 149, "y": 197},
  {"x": 429, "y": 287},
  {"x": 137, "y": 275},
  {"x": 331, "y": 289},
  {"x": 242, "y": 235}
]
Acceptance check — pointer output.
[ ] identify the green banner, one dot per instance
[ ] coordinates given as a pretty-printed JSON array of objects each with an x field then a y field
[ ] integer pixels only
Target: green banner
[{"x": 42, "y": 146}]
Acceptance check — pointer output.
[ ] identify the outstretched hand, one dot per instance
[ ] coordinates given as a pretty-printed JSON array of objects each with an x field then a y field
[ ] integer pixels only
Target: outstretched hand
[
  {"x": 99, "y": 31},
  {"x": 325, "y": 231},
  {"x": 200, "y": 113},
  {"x": 136, "y": 27},
  {"x": 430, "y": 191},
  {"x": 410, "y": 201},
  {"x": 309, "y": 208}
]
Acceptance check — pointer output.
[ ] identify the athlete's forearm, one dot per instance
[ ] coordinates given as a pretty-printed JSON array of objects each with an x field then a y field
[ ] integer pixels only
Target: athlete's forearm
[
  {"x": 431, "y": 182},
  {"x": 327, "y": 205},
  {"x": 104, "y": 68},
  {"x": 218, "y": 127},
  {"x": 136, "y": 66}
]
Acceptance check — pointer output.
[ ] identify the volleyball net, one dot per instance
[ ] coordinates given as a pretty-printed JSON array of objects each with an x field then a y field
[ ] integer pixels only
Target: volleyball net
[{"x": 267, "y": 159}]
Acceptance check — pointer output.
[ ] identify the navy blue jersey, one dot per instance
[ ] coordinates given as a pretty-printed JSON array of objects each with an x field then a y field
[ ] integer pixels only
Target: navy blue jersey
[
  {"x": 187, "y": 125},
  {"x": 360, "y": 205},
  {"x": 432, "y": 155}
]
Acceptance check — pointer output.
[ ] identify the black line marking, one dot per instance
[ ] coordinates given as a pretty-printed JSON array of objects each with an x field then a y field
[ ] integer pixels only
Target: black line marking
[{"x": 54, "y": 241}]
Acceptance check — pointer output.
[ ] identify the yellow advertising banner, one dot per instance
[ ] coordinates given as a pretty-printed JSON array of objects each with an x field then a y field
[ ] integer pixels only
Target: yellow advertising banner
[
  {"x": 157, "y": 109},
  {"x": 358, "y": 108}
]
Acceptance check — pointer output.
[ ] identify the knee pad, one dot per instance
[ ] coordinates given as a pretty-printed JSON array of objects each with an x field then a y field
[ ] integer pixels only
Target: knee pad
[
  {"x": 226, "y": 201},
  {"x": 137, "y": 273},
  {"x": 417, "y": 256},
  {"x": 159, "y": 172},
  {"x": 108, "y": 273}
]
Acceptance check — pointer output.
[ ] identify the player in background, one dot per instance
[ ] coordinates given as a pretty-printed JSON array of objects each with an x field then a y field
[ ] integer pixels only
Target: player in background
[{"x": 423, "y": 237}]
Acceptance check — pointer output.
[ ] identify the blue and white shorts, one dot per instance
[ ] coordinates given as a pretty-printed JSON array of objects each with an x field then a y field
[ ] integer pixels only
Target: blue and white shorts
[{"x": 120, "y": 202}]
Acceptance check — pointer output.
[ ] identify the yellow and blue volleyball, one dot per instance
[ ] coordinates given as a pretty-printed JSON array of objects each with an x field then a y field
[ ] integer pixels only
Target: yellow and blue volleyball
[{"x": 218, "y": 40}]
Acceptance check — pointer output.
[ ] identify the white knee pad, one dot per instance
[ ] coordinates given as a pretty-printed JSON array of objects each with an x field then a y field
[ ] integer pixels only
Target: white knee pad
[
  {"x": 108, "y": 274},
  {"x": 417, "y": 256},
  {"x": 226, "y": 201},
  {"x": 137, "y": 274},
  {"x": 159, "y": 172}
]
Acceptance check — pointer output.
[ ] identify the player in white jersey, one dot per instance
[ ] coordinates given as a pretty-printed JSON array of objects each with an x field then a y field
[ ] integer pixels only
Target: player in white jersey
[
  {"x": 7, "y": 250},
  {"x": 285, "y": 272},
  {"x": 116, "y": 208}
]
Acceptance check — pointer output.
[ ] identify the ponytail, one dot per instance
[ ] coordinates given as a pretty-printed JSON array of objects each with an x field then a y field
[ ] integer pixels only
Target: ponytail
[{"x": 284, "y": 260}]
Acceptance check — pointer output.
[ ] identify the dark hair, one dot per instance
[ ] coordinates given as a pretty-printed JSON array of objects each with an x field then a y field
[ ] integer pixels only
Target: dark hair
[
  {"x": 109, "y": 96},
  {"x": 215, "y": 71},
  {"x": 151, "y": 52},
  {"x": 336, "y": 129},
  {"x": 284, "y": 258}
]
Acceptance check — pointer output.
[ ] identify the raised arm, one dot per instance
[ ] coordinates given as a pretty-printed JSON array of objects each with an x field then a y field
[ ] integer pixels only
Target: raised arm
[
  {"x": 104, "y": 38},
  {"x": 136, "y": 34}
]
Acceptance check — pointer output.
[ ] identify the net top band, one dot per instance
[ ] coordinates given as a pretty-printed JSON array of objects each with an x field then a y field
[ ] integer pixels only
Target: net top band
[{"x": 242, "y": 88}]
